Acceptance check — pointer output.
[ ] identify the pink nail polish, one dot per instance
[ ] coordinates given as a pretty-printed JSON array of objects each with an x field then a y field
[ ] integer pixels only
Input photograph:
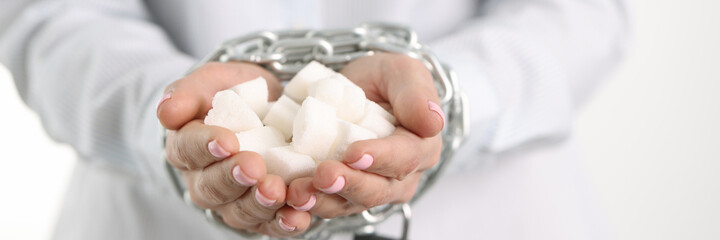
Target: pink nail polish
[
  {"x": 285, "y": 226},
  {"x": 308, "y": 205},
  {"x": 216, "y": 150},
  {"x": 365, "y": 161},
  {"x": 336, "y": 186},
  {"x": 262, "y": 199},
  {"x": 435, "y": 108},
  {"x": 164, "y": 98},
  {"x": 241, "y": 178}
]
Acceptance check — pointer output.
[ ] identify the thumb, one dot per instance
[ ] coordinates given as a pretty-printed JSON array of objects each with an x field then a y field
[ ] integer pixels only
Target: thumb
[
  {"x": 191, "y": 97},
  {"x": 406, "y": 84}
]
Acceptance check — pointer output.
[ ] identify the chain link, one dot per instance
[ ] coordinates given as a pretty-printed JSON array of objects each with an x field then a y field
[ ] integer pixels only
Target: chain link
[{"x": 286, "y": 52}]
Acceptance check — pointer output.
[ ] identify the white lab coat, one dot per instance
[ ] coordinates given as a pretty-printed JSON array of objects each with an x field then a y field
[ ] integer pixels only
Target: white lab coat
[{"x": 94, "y": 70}]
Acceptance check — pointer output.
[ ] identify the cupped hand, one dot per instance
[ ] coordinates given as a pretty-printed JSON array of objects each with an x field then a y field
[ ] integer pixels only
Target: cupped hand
[
  {"x": 379, "y": 171},
  {"x": 232, "y": 183}
]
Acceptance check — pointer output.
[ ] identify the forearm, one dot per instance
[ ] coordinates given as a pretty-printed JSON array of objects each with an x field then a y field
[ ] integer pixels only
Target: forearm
[
  {"x": 527, "y": 66},
  {"x": 94, "y": 72}
]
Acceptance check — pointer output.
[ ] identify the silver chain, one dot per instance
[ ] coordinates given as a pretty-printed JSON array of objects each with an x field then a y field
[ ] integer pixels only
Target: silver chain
[{"x": 284, "y": 53}]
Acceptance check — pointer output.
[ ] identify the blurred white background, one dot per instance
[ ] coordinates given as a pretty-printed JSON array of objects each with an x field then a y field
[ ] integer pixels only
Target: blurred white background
[
  {"x": 35, "y": 170},
  {"x": 651, "y": 136}
]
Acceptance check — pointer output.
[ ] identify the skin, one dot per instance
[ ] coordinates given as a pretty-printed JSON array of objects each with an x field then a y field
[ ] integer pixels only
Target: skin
[{"x": 398, "y": 83}]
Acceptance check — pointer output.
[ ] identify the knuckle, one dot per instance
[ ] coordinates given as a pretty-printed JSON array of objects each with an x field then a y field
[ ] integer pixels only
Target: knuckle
[
  {"x": 247, "y": 214},
  {"x": 367, "y": 203},
  {"x": 183, "y": 151},
  {"x": 370, "y": 202},
  {"x": 343, "y": 209},
  {"x": 407, "y": 168},
  {"x": 174, "y": 156},
  {"x": 211, "y": 192},
  {"x": 354, "y": 186},
  {"x": 377, "y": 199}
]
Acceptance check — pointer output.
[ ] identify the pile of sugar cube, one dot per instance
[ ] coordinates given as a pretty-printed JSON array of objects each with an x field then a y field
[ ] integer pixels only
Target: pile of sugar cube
[{"x": 319, "y": 115}]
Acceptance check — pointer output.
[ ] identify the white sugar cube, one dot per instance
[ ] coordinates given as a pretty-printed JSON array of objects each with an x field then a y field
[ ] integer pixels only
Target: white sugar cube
[
  {"x": 314, "y": 129},
  {"x": 345, "y": 96},
  {"x": 263, "y": 112},
  {"x": 371, "y": 106},
  {"x": 377, "y": 124},
  {"x": 348, "y": 133},
  {"x": 260, "y": 139},
  {"x": 327, "y": 90},
  {"x": 298, "y": 85},
  {"x": 288, "y": 164},
  {"x": 255, "y": 94},
  {"x": 281, "y": 116},
  {"x": 342, "y": 79},
  {"x": 231, "y": 112}
]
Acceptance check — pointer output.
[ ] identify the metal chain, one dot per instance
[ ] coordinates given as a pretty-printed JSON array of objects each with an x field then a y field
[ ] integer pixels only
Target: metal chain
[{"x": 284, "y": 53}]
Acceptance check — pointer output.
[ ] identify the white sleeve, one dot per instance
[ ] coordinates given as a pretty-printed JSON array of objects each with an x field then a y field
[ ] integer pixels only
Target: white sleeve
[
  {"x": 94, "y": 71},
  {"x": 527, "y": 65}
]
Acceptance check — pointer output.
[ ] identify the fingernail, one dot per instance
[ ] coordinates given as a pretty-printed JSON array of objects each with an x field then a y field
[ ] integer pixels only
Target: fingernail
[
  {"x": 365, "y": 161},
  {"x": 241, "y": 178},
  {"x": 262, "y": 199},
  {"x": 164, "y": 98},
  {"x": 216, "y": 150},
  {"x": 308, "y": 205},
  {"x": 435, "y": 108},
  {"x": 336, "y": 186},
  {"x": 285, "y": 226}
]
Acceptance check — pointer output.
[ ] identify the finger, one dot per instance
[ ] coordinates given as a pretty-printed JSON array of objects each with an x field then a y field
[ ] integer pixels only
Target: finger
[
  {"x": 303, "y": 196},
  {"x": 389, "y": 156},
  {"x": 334, "y": 205},
  {"x": 288, "y": 222},
  {"x": 191, "y": 97},
  {"x": 257, "y": 205},
  {"x": 197, "y": 145},
  {"x": 227, "y": 180},
  {"x": 406, "y": 84},
  {"x": 365, "y": 189},
  {"x": 412, "y": 93}
]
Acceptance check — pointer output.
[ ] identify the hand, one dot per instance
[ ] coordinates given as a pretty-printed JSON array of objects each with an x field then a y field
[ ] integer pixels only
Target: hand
[
  {"x": 232, "y": 183},
  {"x": 379, "y": 171}
]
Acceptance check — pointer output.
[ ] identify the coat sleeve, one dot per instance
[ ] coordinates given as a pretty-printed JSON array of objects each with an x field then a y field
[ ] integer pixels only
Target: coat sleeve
[
  {"x": 94, "y": 71},
  {"x": 527, "y": 66}
]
